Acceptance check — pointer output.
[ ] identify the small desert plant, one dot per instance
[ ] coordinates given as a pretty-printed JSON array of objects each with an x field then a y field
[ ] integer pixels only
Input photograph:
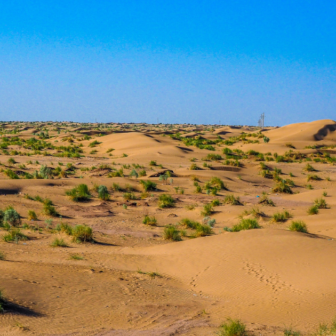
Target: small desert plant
[
  {"x": 116, "y": 187},
  {"x": 246, "y": 224},
  {"x": 203, "y": 230},
  {"x": 313, "y": 178},
  {"x": 321, "y": 203},
  {"x": 12, "y": 217},
  {"x": 103, "y": 193},
  {"x": 325, "y": 329},
  {"x": 76, "y": 256},
  {"x": 14, "y": 235},
  {"x": 232, "y": 328},
  {"x": 149, "y": 221},
  {"x": 49, "y": 209},
  {"x": 194, "y": 167},
  {"x": 32, "y": 215},
  {"x": 325, "y": 194},
  {"x": 207, "y": 210},
  {"x": 80, "y": 193},
  {"x": 282, "y": 187},
  {"x": 281, "y": 216},
  {"x": 309, "y": 186},
  {"x": 264, "y": 200},
  {"x": 216, "y": 182},
  {"x": 129, "y": 196},
  {"x": 82, "y": 233},
  {"x": 152, "y": 163},
  {"x": 298, "y": 226},
  {"x": 313, "y": 210},
  {"x": 231, "y": 199},
  {"x": 309, "y": 168},
  {"x": 2, "y": 255},
  {"x": 216, "y": 202},
  {"x": 166, "y": 201},
  {"x": 189, "y": 223},
  {"x": 58, "y": 242},
  {"x": 171, "y": 233},
  {"x": 148, "y": 185},
  {"x": 142, "y": 172},
  {"x": 291, "y": 332}
]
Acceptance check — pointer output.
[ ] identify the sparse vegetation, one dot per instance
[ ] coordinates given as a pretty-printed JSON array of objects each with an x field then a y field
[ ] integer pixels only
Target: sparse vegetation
[
  {"x": 246, "y": 224},
  {"x": 149, "y": 220},
  {"x": 80, "y": 193},
  {"x": 298, "y": 226},
  {"x": 171, "y": 233},
  {"x": 166, "y": 201},
  {"x": 232, "y": 328}
]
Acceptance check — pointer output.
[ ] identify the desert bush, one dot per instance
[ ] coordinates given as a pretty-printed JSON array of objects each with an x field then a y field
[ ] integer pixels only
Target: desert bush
[
  {"x": 298, "y": 226},
  {"x": 117, "y": 173},
  {"x": 216, "y": 182},
  {"x": 134, "y": 173},
  {"x": 12, "y": 217},
  {"x": 264, "y": 200},
  {"x": 59, "y": 242},
  {"x": 129, "y": 196},
  {"x": 32, "y": 215},
  {"x": 82, "y": 234},
  {"x": 142, "y": 173},
  {"x": 49, "y": 210},
  {"x": 149, "y": 220},
  {"x": 198, "y": 189},
  {"x": 309, "y": 168},
  {"x": 215, "y": 202},
  {"x": 80, "y": 193},
  {"x": 232, "y": 328},
  {"x": 321, "y": 203},
  {"x": 64, "y": 227},
  {"x": 166, "y": 201},
  {"x": 45, "y": 172},
  {"x": 231, "y": 199},
  {"x": 189, "y": 223},
  {"x": 171, "y": 233},
  {"x": 313, "y": 210},
  {"x": 291, "y": 332},
  {"x": 207, "y": 209},
  {"x": 203, "y": 230},
  {"x": 194, "y": 167},
  {"x": 282, "y": 187},
  {"x": 148, "y": 185},
  {"x": 94, "y": 143},
  {"x": 246, "y": 224},
  {"x": 326, "y": 330},
  {"x": 11, "y": 174},
  {"x": 152, "y": 163},
  {"x": 2, "y": 255},
  {"x": 76, "y": 256},
  {"x": 313, "y": 178},
  {"x": 281, "y": 216},
  {"x": 14, "y": 235},
  {"x": 116, "y": 187},
  {"x": 103, "y": 193}
]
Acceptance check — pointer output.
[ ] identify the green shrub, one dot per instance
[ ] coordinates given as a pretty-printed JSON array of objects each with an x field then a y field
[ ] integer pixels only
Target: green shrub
[
  {"x": 59, "y": 242},
  {"x": 166, "y": 201},
  {"x": 203, "y": 230},
  {"x": 232, "y": 328},
  {"x": 189, "y": 223},
  {"x": 129, "y": 196},
  {"x": 264, "y": 200},
  {"x": 14, "y": 235},
  {"x": 216, "y": 182},
  {"x": 148, "y": 185},
  {"x": 152, "y": 163},
  {"x": 103, "y": 193},
  {"x": 291, "y": 332},
  {"x": 231, "y": 199},
  {"x": 80, "y": 193},
  {"x": 49, "y": 210},
  {"x": 313, "y": 178},
  {"x": 2, "y": 255},
  {"x": 298, "y": 226},
  {"x": 281, "y": 216},
  {"x": 246, "y": 224},
  {"x": 76, "y": 256},
  {"x": 321, "y": 203},
  {"x": 149, "y": 220},
  {"x": 309, "y": 168},
  {"x": 194, "y": 167},
  {"x": 32, "y": 215},
  {"x": 207, "y": 209},
  {"x": 171, "y": 233},
  {"x": 11, "y": 174},
  {"x": 313, "y": 210},
  {"x": 215, "y": 202},
  {"x": 12, "y": 217},
  {"x": 134, "y": 173},
  {"x": 142, "y": 173},
  {"x": 82, "y": 233},
  {"x": 282, "y": 187}
]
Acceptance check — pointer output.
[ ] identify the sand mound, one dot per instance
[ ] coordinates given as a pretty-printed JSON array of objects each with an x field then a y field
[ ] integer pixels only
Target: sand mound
[
  {"x": 312, "y": 131},
  {"x": 135, "y": 144},
  {"x": 242, "y": 268}
]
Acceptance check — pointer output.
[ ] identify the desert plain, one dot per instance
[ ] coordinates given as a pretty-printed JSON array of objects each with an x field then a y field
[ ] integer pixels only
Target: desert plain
[{"x": 140, "y": 229}]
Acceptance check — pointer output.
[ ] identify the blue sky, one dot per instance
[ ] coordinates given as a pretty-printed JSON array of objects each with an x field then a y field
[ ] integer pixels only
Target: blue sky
[{"x": 172, "y": 61}]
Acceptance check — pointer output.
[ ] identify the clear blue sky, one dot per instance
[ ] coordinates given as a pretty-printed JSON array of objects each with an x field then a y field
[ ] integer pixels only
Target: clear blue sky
[{"x": 178, "y": 61}]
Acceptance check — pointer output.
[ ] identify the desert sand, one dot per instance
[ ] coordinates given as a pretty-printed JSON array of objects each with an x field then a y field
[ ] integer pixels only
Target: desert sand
[{"x": 128, "y": 279}]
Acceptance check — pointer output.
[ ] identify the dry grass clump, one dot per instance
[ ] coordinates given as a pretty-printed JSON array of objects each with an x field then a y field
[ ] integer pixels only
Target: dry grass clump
[
  {"x": 32, "y": 215},
  {"x": 281, "y": 216},
  {"x": 282, "y": 187},
  {"x": 313, "y": 210},
  {"x": 171, "y": 233},
  {"x": 149, "y": 221},
  {"x": 80, "y": 193},
  {"x": 298, "y": 226},
  {"x": 82, "y": 234},
  {"x": 309, "y": 168},
  {"x": 246, "y": 224},
  {"x": 166, "y": 201},
  {"x": 59, "y": 242},
  {"x": 264, "y": 200},
  {"x": 148, "y": 185},
  {"x": 231, "y": 199},
  {"x": 232, "y": 328},
  {"x": 14, "y": 235},
  {"x": 207, "y": 209},
  {"x": 313, "y": 178},
  {"x": 321, "y": 203}
]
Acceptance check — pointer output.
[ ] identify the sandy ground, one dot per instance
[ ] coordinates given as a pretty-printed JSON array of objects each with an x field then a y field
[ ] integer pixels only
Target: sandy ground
[{"x": 269, "y": 278}]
